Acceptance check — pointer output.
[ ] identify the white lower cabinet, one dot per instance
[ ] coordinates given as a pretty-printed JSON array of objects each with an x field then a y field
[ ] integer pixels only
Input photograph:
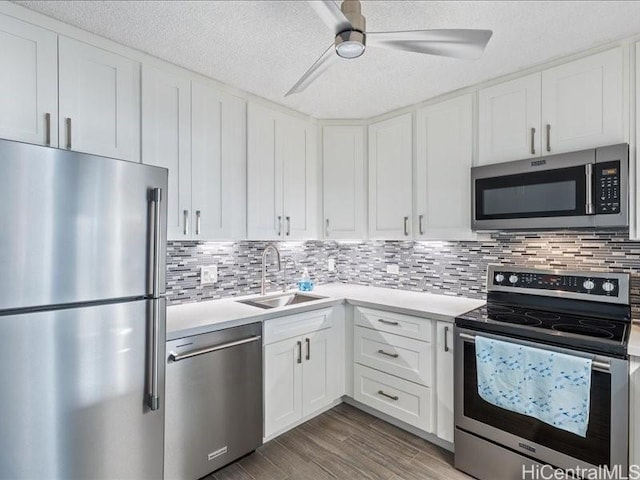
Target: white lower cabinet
[
  {"x": 634, "y": 417},
  {"x": 302, "y": 368},
  {"x": 444, "y": 381}
]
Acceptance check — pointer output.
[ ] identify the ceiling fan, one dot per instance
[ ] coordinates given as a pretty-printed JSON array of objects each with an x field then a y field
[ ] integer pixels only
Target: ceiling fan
[{"x": 351, "y": 39}]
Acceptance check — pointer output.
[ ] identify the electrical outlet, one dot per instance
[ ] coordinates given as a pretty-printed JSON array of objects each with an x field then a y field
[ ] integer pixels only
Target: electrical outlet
[
  {"x": 331, "y": 265},
  {"x": 393, "y": 269},
  {"x": 208, "y": 275}
]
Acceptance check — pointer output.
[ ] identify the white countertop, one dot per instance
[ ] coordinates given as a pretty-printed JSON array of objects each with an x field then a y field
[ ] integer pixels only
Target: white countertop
[
  {"x": 208, "y": 316},
  {"x": 634, "y": 339}
]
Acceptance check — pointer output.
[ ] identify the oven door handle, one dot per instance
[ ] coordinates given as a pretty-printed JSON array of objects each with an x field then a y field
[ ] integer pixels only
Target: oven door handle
[{"x": 595, "y": 364}]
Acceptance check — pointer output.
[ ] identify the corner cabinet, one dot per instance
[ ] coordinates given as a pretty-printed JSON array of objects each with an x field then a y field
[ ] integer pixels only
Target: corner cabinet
[
  {"x": 444, "y": 156},
  {"x": 570, "y": 107},
  {"x": 391, "y": 178},
  {"x": 344, "y": 182},
  {"x": 281, "y": 176},
  {"x": 197, "y": 133},
  {"x": 302, "y": 368}
]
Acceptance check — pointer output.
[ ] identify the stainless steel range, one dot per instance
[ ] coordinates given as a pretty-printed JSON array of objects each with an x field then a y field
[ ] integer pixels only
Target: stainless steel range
[{"x": 583, "y": 314}]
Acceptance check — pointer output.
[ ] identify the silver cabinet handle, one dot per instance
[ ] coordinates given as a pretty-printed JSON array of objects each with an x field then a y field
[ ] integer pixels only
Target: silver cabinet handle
[
  {"x": 388, "y": 322},
  {"x": 279, "y": 225},
  {"x": 406, "y": 226},
  {"x": 533, "y": 140},
  {"x": 176, "y": 357},
  {"x": 308, "y": 357},
  {"x": 548, "y": 137},
  {"x": 47, "y": 129},
  {"x": 420, "y": 229},
  {"x": 326, "y": 228},
  {"x": 153, "y": 399},
  {"x": 446, "y": 340},
  {"x": 588, "y": 205},
  {"x": 185, "y": 215},
  {"x": 299, "y": 352},
  {"x": 197, "y": 222},
  {"x": 288, "y": 226},
  {"x": 392, "y": 397},
  {"x": 68, "y": 125},
  {"x": 392, "y": 355}
]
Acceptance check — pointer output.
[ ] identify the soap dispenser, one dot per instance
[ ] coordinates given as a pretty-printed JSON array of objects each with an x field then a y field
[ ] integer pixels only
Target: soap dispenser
[{"x": 305, "y": 284}]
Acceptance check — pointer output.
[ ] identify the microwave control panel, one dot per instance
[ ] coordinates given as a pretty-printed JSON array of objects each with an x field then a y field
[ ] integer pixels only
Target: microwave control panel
[{"x": 607, "y": 187}]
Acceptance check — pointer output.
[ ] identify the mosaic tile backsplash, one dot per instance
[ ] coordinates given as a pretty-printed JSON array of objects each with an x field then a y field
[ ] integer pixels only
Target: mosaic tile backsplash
[{"x": 450, "y": 268}]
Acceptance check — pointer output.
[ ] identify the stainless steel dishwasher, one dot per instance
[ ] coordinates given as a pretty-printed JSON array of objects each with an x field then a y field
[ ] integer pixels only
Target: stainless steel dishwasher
[{"x": 213, "y": 400}]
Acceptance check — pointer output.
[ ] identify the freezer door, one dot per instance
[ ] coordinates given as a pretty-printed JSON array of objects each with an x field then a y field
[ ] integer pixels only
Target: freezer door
[
  {"x": 75, "y": 227},
  {"x": 74, "y": 384}
]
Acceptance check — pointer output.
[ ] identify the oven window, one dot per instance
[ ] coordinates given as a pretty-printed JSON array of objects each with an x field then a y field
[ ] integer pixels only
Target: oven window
[
  {"x": 593, "y": 449},
  {"x": 547, "y": 193}
]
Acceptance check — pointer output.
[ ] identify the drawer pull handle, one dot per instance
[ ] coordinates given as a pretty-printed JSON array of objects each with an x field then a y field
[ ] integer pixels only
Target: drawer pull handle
[
  {"x": 391, "y": 397},
  {"x": 392, "y": 355},
  {"x": 387, "y": 322}
]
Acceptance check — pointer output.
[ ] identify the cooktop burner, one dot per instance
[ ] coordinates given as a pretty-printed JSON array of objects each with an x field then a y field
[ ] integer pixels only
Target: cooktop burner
[
  {"x": 582, "y": 330},
  {"x": 517, "y": 319}
]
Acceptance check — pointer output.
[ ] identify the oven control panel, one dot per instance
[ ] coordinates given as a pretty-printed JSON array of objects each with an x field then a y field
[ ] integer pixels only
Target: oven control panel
[
  {"x": 607, "y": 188},
  {"x": 580, "y": 284}
]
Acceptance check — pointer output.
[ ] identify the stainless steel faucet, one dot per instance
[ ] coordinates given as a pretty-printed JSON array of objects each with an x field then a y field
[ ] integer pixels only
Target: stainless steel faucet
[{"x": 271, "y": 246}]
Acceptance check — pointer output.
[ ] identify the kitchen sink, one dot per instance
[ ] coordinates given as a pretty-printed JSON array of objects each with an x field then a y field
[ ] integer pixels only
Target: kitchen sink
[{"x": 281, "y": 300}]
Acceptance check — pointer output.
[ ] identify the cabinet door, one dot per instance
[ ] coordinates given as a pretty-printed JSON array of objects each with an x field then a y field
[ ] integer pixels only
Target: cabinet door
[
  {"x": 264, "y": 175},
  {"x": 444, "y": 157},
  {"x": 282, "y": 385},
  {"x": 319, "y": 371},
  {"x": 390, "y": 178},
  {"x": 99, "y": 101},
  {"x": 29, "y": 82},
  {"x": 299, "y": 164},
  {"x": 444, "y": 381},
  {"x": 218, "y": 164},
  {"x": 343, "y": 182},
  {"x": 166, "y": 141},
  {"x": 509, "y": 121},
  {"x": 582, "y": 103}
]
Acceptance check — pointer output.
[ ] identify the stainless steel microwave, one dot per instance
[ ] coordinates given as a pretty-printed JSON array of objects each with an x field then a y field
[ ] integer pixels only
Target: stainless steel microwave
[{"x": 589, "y": 188}]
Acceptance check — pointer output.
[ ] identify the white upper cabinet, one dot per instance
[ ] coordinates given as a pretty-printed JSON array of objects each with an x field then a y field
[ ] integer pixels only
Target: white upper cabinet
[
  {"x": 390, "y": 178},
  {"x": 582, "y": 103},
  {"x": 571, "y": 107},
  {"x": 509, "y": 123},
  {"x": 344, "y": 182},
  {"x": 99, "y": 95},
  {"x": 28, "y": 83},
  {"x": 166, "y": 141},
  {"x": 218, "y": 164},
  {"x": 444, "y": 157},
  {"x": 282, "y": 176}
]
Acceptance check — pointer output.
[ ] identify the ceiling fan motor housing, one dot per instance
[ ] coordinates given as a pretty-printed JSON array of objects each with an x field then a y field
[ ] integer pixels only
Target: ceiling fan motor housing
[{"x": 352, "y": 10}]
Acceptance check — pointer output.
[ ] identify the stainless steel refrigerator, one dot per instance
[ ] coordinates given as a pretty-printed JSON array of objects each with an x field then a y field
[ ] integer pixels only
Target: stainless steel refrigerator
[{"x": 82, "y": 315}]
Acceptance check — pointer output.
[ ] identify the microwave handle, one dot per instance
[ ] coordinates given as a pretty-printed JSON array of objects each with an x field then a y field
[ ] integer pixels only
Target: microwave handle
[{"x": 588, "y": 207}]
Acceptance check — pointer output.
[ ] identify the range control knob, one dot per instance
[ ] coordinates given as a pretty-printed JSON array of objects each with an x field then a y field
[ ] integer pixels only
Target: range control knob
[
  {"x": 513, "y": 279},
  {"x": 499, "y": 278},
  {"x": 588, "y": 285},
  {"x": 608, "y": 286}
]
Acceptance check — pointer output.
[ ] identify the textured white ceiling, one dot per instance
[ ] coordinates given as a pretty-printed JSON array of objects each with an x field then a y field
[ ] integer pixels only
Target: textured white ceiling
[{"x": 264, "y": 46}]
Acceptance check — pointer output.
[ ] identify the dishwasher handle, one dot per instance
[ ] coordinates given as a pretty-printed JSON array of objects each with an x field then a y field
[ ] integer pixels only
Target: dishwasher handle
[{"x": 176, "y": 357}]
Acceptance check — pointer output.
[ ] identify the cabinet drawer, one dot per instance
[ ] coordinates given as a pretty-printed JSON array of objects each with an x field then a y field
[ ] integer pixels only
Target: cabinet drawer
[
  {"x": 281, "y": 328},
  {"x": 405, "y": 325},
  {"x": 404, "y": 357},
  {"x": 399, "y": 398}
]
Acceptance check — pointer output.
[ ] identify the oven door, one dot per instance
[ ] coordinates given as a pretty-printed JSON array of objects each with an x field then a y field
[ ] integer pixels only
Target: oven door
[
  {"x": 528, "y": 194},
  {"x": 606, "y": 442}
]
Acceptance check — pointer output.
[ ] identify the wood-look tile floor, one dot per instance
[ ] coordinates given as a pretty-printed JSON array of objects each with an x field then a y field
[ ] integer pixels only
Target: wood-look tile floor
[{"x": 347, "y": 444}]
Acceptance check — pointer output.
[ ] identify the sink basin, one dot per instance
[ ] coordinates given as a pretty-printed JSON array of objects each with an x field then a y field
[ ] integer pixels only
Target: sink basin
[{"x": 281, "y": 300}]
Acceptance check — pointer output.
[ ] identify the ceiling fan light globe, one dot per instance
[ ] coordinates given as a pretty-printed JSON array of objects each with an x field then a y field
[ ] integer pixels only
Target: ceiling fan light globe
[{"x": 350, "y": 49}]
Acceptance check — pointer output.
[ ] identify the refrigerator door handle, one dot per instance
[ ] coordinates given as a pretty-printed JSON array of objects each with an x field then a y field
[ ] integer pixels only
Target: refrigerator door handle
[{"x": 153, "y": 400}]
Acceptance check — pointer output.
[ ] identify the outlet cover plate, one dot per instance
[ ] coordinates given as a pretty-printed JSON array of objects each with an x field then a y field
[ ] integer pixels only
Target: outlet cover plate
[
  {"x": 393, "y": 269},
  {"x": 208, "y": 275},
  {"x": 331, "y": 265}
]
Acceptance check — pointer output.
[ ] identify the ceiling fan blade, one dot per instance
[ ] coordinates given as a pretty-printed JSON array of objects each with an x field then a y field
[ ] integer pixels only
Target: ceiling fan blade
[
  {"x": 327, "y": 59},
  {"x": 331, "y": 15},
  {"x": 460, "y": 43}
]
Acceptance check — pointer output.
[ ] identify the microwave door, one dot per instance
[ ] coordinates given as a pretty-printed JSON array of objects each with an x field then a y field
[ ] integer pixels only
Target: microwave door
[{"x": 551, "y": 198}]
